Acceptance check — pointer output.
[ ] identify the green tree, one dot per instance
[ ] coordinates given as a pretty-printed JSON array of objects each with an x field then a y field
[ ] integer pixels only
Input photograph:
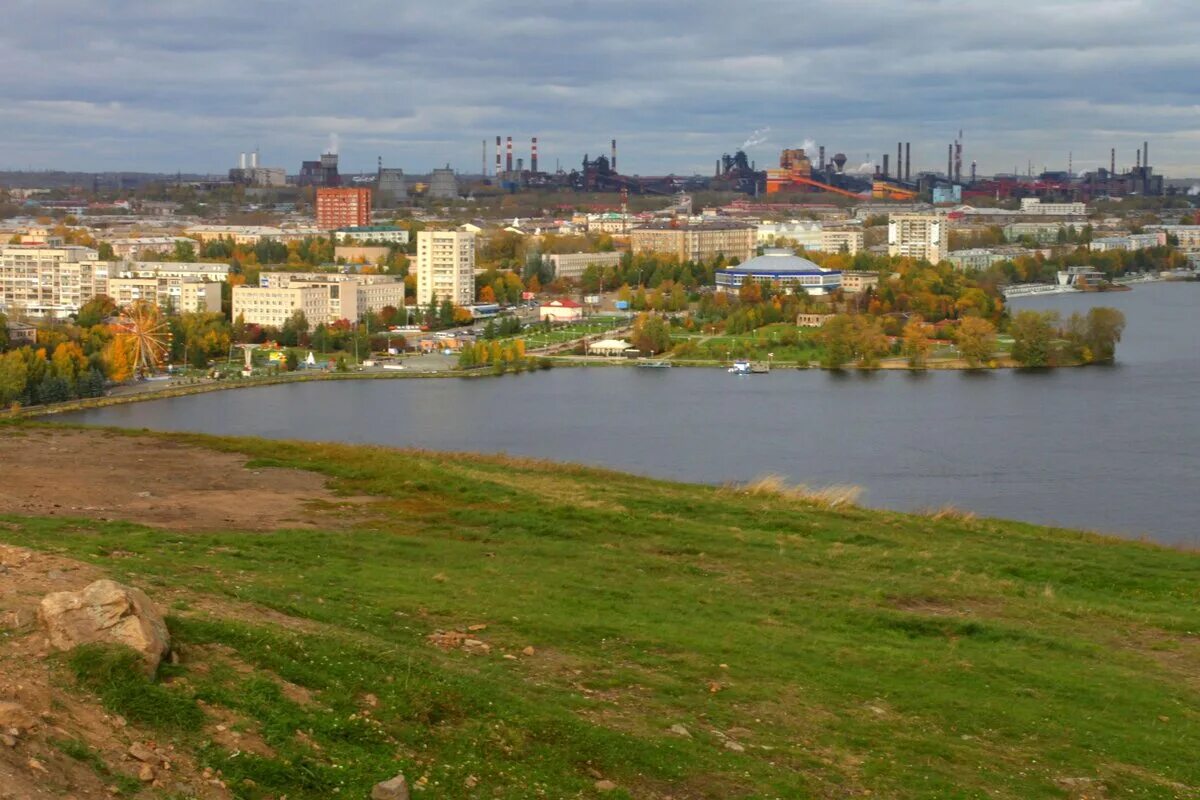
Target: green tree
[
  {"x": 184, "y": 251},
  {"x": 3, "y": 332},
  {"x": 1104, "y": 328},
  {"x": 837, "y": 335},
  {"x": 650, "y": 333},
  {"x": 1033, "y": 337},
  {"x": 95, "y": 310},
  {"x": 976, "y": 338},
  {"x": 13, "y": 374},
  {"x": 916, "y": 336}
]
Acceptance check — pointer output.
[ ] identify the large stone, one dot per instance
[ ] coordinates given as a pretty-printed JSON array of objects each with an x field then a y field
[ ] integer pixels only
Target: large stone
[
  {"x": 15, "y": 716},
  {"x": 106, "y": 612},
  {"x": 394, "y": 789}
]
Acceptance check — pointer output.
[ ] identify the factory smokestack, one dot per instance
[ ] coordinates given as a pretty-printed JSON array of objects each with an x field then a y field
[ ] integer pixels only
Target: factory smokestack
[
  {"x": 1112, "y": 162},
  {"x": 254, "y": 160},
  {"x": 1139, "y": 159},
  {"x": 497, "y": 156},
  {"x": 242, "y": 161},
  {"x": 973, "y": 165},
  {"x": 885, "y": 165},
  {"x": 908, "y": 161},
  {"x": 613, "y": 165},
  {"x": 899, "y": 161},
  {"x": 821, "y": 157},
  {"x": 950, "y": 162},
  {"x": 1145, "y": 154},
  {"x": 508, "y": 155},
  {"x": 533, "y": 156}
]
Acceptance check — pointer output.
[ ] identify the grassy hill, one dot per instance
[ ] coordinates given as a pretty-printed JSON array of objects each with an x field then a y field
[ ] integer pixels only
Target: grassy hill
[{"x": 678, "y": 640}]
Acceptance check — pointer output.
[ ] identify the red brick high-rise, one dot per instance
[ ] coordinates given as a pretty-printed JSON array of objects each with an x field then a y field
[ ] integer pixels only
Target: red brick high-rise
[{"x": 343, "y": 208}]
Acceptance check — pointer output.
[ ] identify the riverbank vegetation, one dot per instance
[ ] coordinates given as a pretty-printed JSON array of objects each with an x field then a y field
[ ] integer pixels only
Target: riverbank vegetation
[{"x": 458, "y": 620}]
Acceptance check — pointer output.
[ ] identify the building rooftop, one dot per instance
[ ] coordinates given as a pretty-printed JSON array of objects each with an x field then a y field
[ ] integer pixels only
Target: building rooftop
[
  {"x": 779, "y": 260},
  {"x": 709, "y": 225}
]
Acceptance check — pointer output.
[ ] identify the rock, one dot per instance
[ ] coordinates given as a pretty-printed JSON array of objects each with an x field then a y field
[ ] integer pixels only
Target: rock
[
  {"x": 106, "y": 612},
  {"x": 730, "y": 744},
  {"x": 680, "y": 730},
  {"x": 394, "y": 789},
  {"x": 605, "y": 786},
  {"x": 144, "y": 754},
  {"x": 528, "y": 651},
  {"x": 8, "y": 741},
  {"x": 14, "y": 715},
  {"x": 37, "y": 766},
  {"x": 146, "y": 774}
]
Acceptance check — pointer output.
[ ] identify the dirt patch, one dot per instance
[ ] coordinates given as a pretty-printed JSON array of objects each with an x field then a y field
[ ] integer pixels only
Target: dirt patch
[
  {"x": 36, "y": 763},
  {"x": 156, "y": 482}
]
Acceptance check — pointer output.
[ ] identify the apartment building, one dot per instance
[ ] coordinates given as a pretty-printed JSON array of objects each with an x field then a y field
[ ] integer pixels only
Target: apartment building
[
  {"x": 134, "y": 247},
  {"x": 1034, "y": 205},
  {"x": 1134, "y": 241},
  {"x": 696, "y": 241},
  {"x": 841, "y": 241},
  {"x": 49, "y": 281},
  {"x": 343, "y": 207},
  {"x": 858, "y": 281},
  {"x": 1188, "y": 236},
  {"x": 180, "y": 295},
  {"x": 920, "y": 236},
  {"x": 573, "y": 265},
  {"x": 389, "y": 234},
  {"x": 446, "y": 267},
  {"x": 323, "y": 297}
]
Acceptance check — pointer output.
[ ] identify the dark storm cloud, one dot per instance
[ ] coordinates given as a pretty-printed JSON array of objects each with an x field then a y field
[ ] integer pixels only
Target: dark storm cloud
[{"x": 188, "y": 85}]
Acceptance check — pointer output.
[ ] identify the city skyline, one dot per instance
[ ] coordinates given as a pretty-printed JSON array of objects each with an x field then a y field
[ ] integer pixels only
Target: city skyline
[{"x": 136, "y": 86}]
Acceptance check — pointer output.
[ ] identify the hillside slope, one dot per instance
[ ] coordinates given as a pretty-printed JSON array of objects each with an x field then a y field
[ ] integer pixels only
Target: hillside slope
[{"x": 504, "y": 628}]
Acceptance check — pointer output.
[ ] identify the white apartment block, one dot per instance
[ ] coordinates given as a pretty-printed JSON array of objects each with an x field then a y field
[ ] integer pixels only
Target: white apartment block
[
  {"x": 181, "y": 296},
  {"x": 1134, "y": 241},
  {"x": 176, "y": 270},
  {"x": 390, "y": 234},
  {"x": 323, "y": 298},
  {"x": 46, "y": 281},
  {"x": 446, "y": 267},
  {"x": 799, "y": 233},
  {"x": 573, "y": 265},
  {"x": 132, "y": 248},
  {"x": 1034, "y": 205},
  {"x": 840, "y": 241},
  {"x": 920, "y": 236},
  {"x": 1187, "y": 235}
]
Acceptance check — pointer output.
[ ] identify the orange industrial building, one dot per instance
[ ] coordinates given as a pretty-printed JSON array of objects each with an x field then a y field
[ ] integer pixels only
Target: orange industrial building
[
  {"x": 795, "y": 174},
  {"x": 343, "y": 208}
]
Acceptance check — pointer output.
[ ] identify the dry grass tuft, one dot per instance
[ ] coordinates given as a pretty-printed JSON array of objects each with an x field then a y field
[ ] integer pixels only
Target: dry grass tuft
[
  {"x": 770, "y": 485},
  {"x": 949, "y": 512}
]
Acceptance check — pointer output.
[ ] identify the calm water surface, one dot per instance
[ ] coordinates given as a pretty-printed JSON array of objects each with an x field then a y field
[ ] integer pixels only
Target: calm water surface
[{"x": 1115, "y": 448}]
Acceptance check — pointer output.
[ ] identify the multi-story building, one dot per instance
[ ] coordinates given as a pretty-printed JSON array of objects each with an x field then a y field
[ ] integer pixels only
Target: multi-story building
[
  {"x": 188, "y": 295},
  {"x": 47, "y": 281},
  {"x": 696, "y": 241},
  {"x": 1034, "y": 205},
  {"x": 343, "y": 207},
  {"x": 174, "y": 270},
  {"x": 858, "y": 281},
  {"x": 573, "y": 265},
  {"x": 920, "y": 236},
  {"x": 841, "y": 241},
  {"x": 323, "y": 297},
  {"x": 240, "y": 234},
  {"x": 1134, "y": 241},
  {"x": 799, "y": 233},
  {"x": 1040, "y": 232},
  {"x": 1188, "y": 236},
  {"x": 608, "y": 222},
  {"x": 389, "y": 234},
  {"x": 446, "y": 267},
  {"x": 132, "y": 248},
  {"x": 976, "y": 258}
]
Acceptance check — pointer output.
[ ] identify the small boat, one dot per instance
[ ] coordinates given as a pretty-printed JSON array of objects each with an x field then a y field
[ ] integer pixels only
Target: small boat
[
  {"x": 740, "y": 368},
  {"x": 654, "y": 364}
]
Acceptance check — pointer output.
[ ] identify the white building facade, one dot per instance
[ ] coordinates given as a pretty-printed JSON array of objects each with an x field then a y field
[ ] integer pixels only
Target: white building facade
[{"x": 445, "y": 267}]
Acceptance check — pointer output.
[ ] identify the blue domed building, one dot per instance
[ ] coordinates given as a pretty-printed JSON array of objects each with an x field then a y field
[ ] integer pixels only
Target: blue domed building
[{"x": 783, "y": 270}]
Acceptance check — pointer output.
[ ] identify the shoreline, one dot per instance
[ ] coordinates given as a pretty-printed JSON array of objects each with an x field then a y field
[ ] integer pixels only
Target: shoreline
[{"x": 90, "y": 403}]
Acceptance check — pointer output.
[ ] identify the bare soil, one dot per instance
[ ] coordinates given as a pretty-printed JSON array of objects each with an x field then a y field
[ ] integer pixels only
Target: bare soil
[{"x": 108, "y": 476}]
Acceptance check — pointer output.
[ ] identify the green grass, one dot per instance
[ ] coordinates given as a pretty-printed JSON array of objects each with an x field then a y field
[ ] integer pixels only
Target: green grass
[
  {"x": 79, "y": 750},
  {"x": 116, "y": 675},
  {"x": 846, "y": 650}
]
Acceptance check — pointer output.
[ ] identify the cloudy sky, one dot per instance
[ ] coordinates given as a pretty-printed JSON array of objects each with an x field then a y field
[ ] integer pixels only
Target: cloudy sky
[{"x": 188, "y": 84}]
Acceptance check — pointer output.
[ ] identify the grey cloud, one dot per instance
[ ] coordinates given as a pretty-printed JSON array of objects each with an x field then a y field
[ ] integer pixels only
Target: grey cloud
[{"x": 140, "y": 85}]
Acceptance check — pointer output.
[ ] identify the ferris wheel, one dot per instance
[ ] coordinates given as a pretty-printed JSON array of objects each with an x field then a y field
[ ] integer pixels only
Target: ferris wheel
[{"x": 148, "y": 336}]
